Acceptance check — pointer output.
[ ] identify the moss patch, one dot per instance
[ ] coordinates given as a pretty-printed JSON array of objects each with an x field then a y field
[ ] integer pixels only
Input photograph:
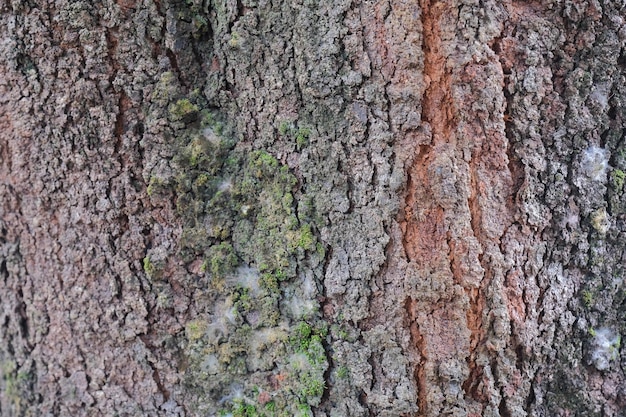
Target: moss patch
[{"x": 240, "y": 212}]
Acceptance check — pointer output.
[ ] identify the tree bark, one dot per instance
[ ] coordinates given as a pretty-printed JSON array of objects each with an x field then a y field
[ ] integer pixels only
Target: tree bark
[{"x": 339, "y": 208}]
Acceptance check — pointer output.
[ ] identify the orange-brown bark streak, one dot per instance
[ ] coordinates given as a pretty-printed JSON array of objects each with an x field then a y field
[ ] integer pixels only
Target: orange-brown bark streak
[
  {"x": 421, "y": 237},
  {"x": 446, "y": 238},
  {"x": 424, "y": 228}
]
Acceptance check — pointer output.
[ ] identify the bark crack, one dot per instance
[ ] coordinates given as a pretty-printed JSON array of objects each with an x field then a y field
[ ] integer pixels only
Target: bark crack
[{"x": 418, "y": 341}]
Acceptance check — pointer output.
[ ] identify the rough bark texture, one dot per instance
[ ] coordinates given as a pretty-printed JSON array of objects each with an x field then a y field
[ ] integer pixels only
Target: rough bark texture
[{"x": 337, "y": 208}]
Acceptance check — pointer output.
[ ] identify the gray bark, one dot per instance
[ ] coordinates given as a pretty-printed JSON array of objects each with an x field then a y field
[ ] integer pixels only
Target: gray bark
[{"x": 330, "y": 208}]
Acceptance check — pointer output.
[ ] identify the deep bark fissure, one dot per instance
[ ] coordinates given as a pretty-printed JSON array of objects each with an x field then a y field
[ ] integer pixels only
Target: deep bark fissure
[{"x": 418, "y": 342}]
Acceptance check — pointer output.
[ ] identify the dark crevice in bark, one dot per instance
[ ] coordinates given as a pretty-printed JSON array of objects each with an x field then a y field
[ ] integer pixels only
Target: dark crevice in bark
[
  {"x": 23, "y": 321},
  {"x": 477, "y": 298},
  {"x": 4, "y": 273},
  {"x": 120, "y": 123},
  {"x": 155, "y": 372},
  {"x": 171, "y": 56},
  {"x": 417, "y": 341},
  {"x": 331, "y": 367},
  {"x": 364, "y": 403}
]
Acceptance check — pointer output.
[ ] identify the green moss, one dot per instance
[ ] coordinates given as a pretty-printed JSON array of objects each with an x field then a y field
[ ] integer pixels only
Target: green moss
[
  {"x": 235, "y": 40},
  {"x": 156, "y": 185},
  {"x": 271, "y": 235},
  {"x": 17, "y": 383},
  {"x": 201, "y": 180},
  {"x": 618, "y": 176},
  {"x": 312, "y": 386},
  {"x": 270, "y": 406},
  {"x": 183, "y": 110},
  {"x": 319, "y": 249},
  {"x": 270, "y": 312},
  {"x": 195, "y": 329},
  {"x": 304, "y": 410},
  {"x": 284, "y": 127},
  {"x": 302, "y": 137},
  {"x": 242, "y": 300},
  {"x": 262, "y": 164},
  {"x": 587, "y": 297},
  {"x": 310, "y": 376},
  {"x": 240, "y": 409},
  {"x": 148, "y": 267},
  {"x": 342, "y": 372},
  {"x": 221, "y": 259},
  {"x": 301, "y": 336},
  {"x": 239, "y": 208},
  {"x": 269, "y": 282},
  {"x": 210, "y": 120},
  {"x": 165, "y": 89},
  {"x": 306, "y": 240}
]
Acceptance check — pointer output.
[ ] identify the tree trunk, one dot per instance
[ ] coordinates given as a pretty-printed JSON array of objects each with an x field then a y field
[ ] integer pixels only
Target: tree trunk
[{"x": 292, "y": 208}]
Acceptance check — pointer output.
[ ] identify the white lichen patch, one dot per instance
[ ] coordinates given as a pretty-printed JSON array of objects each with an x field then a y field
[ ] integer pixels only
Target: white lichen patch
[
  {"x": 301, "y": 302},
  {"x": 594, "y": 163},
  {"x": 604, "y": 348}
]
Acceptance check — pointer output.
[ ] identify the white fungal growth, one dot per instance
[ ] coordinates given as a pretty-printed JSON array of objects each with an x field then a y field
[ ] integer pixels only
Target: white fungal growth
[
  {"x": 266, "y": 337},
  {"x": 210, "y": 135},
  {"x": 309, "y": 288},
  {"x": 595, "y": 162},
  {"x": 211, "y": 365},
  {"x": 604, "y": 348},
  {"x": 246, "y": 277},
  {"x": 301, "y": 308},
  {"x": 225, "y": 185},
  {"x": 300, "y": 362},
  {"x": 235, "y": 394},
  {"x": 600, "y": 94},
  {"x": 225, "y": 315}
]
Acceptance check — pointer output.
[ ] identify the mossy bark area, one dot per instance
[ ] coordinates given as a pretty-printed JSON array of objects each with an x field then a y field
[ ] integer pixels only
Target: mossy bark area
[{"x": 312, "y": 208}]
